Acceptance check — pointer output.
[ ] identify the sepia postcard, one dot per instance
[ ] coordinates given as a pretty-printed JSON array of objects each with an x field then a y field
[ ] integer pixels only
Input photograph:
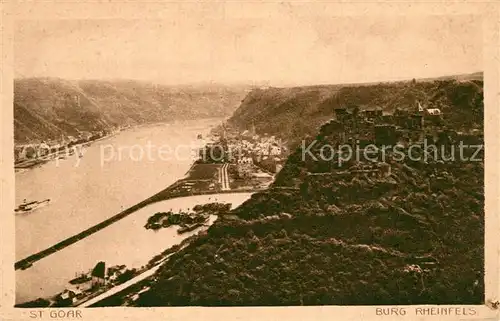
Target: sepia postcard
[{"x": 249, "y": 160}]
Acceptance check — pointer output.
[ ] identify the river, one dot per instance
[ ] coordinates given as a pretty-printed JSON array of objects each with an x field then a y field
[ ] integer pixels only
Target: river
[{"x": 110, "y": 177}]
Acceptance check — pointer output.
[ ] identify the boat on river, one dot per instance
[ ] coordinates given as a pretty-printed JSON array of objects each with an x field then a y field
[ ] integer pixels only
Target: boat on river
[{"x": 30, "y": 206}]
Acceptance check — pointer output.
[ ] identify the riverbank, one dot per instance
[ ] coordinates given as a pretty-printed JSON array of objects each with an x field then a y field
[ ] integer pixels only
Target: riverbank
[
  {"x": 95, "y": 295},
  {"x": 140, "y": 276}
]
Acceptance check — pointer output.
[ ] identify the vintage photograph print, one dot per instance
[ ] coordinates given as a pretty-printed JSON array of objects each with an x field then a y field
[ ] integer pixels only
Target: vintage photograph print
[{"x": 233, "y": 161}]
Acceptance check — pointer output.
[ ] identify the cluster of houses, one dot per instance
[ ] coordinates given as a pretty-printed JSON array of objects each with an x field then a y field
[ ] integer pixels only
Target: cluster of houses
[
  {"x": 247, "y": 149},
  {"x": 88, "y": 283},
  {"x": 266, "y": 152}
]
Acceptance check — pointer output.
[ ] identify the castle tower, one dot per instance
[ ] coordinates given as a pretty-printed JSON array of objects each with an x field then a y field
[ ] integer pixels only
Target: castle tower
[{"x": 420, "y": 108}]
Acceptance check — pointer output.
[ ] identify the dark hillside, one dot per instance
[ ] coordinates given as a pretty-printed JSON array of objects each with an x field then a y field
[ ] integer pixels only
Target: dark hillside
[
  {"x": 359, "y": 233},
  {"x": 404, "y": 239}
]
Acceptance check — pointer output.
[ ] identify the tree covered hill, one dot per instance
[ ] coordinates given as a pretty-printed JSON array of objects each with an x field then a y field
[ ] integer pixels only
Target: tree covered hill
[
  {"x": 415, "y": 237},
  {"x": 327, "y": 234},
  {"x": 46, "y": 108}
]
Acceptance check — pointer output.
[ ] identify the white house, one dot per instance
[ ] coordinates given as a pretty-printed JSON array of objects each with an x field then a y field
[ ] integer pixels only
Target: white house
[{"x": 434, "y": 111}]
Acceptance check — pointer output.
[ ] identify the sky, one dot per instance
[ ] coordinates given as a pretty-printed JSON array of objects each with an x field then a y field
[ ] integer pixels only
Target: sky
[{"x": 279, "y": 52}]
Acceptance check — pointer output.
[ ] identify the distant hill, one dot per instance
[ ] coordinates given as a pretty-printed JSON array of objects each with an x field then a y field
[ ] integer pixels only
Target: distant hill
[
  {"x": 474, "y": 76},
  {"x": 46, "y": 108},
  {"x": 294, "y": 112}
]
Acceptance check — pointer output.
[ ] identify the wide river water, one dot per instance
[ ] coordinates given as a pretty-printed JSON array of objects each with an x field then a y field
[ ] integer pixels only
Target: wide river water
[{"x": 85, "y": 191}]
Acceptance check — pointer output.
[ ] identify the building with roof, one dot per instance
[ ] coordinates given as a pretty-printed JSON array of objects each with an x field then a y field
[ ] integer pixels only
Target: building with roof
[
  {"x": 433, "y": 111},
  {"x": 68, "y": 297}
]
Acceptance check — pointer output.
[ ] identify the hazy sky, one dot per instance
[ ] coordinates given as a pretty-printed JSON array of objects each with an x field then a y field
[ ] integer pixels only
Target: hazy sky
[{"x": 287, "y": 51}]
